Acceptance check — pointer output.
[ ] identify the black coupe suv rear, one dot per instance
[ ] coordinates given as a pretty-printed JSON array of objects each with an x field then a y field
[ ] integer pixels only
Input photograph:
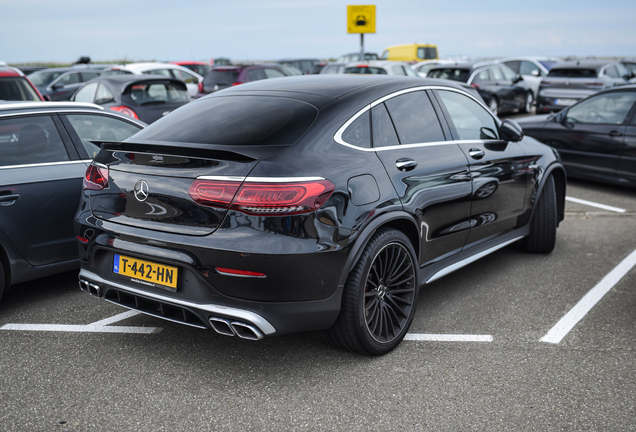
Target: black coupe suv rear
[{"x": 314, "y": 202}]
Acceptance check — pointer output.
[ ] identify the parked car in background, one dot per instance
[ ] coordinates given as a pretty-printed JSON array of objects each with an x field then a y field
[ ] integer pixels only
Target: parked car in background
[
  {"x": 352, "y": 57},
  {"x": 333, "y": 68},
  {"x": 532, "y": 69},
  {"x": 380, "y": 67},
  {"x": 146, "y": 98},
  {"x": 423, "y": 67},
  {"x": 287, "y": 70},
  {"x": 596, "y": 137},
  {"x": 570, "y": 81},
  {"x": 169, "y": 70},
  {"x": 59, "y": 84},
  {"x": 305, "y": 65},
  {"x": 411, "y": 53},
  {"x": 201, "y": 68},
  {"x": 630, "y": 64},
  {"x": 222, "y": 77},
  {"x": 15, "y": 86},
  {"x": 45, "y": 148},
  {"x": 498, "y": 85},
  {"x": 311, "y": 203}
]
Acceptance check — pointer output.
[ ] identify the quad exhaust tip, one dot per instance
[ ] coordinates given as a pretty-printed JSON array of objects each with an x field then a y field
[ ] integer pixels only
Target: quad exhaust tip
[
  {"x": 90, "y": 288},
  {"x": 231, "y": 328}
]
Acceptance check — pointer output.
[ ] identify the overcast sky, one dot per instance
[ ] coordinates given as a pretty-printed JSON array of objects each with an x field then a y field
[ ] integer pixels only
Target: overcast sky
[{"x": 63, "y": 30}]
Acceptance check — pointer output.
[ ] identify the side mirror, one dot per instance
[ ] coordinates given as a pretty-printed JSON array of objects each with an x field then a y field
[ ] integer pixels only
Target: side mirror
[
  {"x": 535, "y": 72},
  {"x": 627, "y": 77},
  {"x": 517, "y": 79},
  {"x": 58, "y": 85},
  {"x": 511, "y": 131}
]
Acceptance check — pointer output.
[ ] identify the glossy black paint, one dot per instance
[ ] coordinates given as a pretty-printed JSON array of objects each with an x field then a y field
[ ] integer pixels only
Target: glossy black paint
[
  {"x": 449, "y": 204},
  {"x": 598, "y": 151}
]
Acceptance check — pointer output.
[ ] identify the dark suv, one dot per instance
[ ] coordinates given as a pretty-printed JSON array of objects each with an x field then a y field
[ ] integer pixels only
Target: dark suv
[
  {"x": 61, "y": 83},
  {"x": 221, "y": 77},
  {"x": 570, "y": 81},
  {"x": 501, "y": 88}
]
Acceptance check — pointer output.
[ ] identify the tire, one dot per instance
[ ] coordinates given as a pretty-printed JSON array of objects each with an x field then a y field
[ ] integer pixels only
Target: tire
[
  {"x": 543, "y": 225},
  {"x": 527, "y": 108},
  {"x": 2, "y": 280},
  {"x": 380, "y": 296},
  {"x": 493, "y": 105}
]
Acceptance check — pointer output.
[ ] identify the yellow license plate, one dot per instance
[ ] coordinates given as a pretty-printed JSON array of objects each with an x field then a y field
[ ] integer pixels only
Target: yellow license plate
[{"x": 146, "y": 272}]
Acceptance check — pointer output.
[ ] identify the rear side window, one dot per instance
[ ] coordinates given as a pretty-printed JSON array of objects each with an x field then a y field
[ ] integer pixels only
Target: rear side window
[
  {"x": 528, "y": 68},
  {"x": 256, "y": 74},
  {"x": 573, "y": 73},
  {"x": 30, "y": 140},
  {"x": 100, "y": 128},
  {"x": 414, "y": 118},
  {"x": 17, "y": 89},
  {"x": 359, "y": 132},
  {"x": 103, "y": 95},
  {"x": 155, "y": 93},
  {"x": 164, "y": 72},
  {"x": 612, "y": 72},
  {"x": 234, "y": 120},
  {"x": 384, "y": 134},
  {"x": 399, "y": 70},
  {"x": 86, "y": 93},
  {"x": 220, "y": 78},
  {"x": 273, "y": 73},
  {"x": 514, "y": 65},
  {"x": 454, "y": 74},
  {"x": 470, "y": 120}
]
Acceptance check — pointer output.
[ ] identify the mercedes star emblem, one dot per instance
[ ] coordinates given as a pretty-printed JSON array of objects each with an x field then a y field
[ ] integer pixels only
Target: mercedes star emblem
[{"x": 141, "y": 190}]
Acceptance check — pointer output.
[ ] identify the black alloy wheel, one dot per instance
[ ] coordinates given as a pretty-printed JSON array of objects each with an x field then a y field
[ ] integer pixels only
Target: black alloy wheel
[
  {"x": 380, "y": 296},
  {"x": 529, "y": 101}
]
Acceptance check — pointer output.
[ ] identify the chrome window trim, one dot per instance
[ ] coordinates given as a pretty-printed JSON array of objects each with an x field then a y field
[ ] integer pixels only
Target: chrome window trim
[
  {"x": 261, "y": 179},
  {"x": 338, "y": 135},
  {"x": 53, "y": 105},
  {"x": 79, "y": 110},
  {"x": 45, "y": 164}
]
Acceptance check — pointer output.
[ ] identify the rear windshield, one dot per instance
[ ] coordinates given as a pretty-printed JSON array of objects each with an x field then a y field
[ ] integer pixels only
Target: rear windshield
[
  {"x": 365, "y": 70},
  {"x": 155, "y": 93},
  {"x": 454, "y": 74},
  {"x": 573, "y": 73},
  {"x": 44, "y": 78},
  {"x": 220, "y": 77},
  {"x": 234, "y": 120},
  {"x": 17, "y": 89}
]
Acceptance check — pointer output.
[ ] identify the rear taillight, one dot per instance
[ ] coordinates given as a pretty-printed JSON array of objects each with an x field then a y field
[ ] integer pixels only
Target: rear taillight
[
  {"x": 476, "y": 86},
  {"x": 236, "y": 83},
  {"x": 200, "y": 86},
  {"x": 126, "y": 111},
  {"x": 263, "y": 198},
  {"x": 96, "y": 178}
]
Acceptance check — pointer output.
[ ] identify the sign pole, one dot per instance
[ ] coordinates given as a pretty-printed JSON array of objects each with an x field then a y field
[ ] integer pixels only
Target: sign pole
[{"x": 361, "y": 47}]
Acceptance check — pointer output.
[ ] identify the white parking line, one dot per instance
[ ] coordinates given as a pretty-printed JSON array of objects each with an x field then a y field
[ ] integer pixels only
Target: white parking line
[
  {"x": 447, "y": 337},
  {"x": 593, "y": 204},
  {"x": 576, "y": 314},
  {"x": 96, "y": 327}
]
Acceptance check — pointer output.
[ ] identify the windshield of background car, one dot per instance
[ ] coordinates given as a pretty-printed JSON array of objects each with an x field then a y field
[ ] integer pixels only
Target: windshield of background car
[
  {"x": 454, "y": 74},
  {"x": 365, "y": 70},
  {"x": 17, "y": 89},
  {"x": 155, "y": 93},
  {"x": 573, "y": 73},
  {"x": 234, "y": 120},
  {"x": 427, "y": 53},
  {"x": 548, "y": 64},
  {"x": 220, "y": 77},
  {"x": 42, "y": 78}
]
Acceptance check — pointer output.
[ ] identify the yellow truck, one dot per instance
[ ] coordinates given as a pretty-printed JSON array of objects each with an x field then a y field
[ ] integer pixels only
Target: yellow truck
[{"x": 411, "y": 52}]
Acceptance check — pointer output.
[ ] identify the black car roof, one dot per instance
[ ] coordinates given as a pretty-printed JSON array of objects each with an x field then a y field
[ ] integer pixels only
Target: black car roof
[
  {"x": 120, "y": 82},
  {"x": 321, "y": 90}
]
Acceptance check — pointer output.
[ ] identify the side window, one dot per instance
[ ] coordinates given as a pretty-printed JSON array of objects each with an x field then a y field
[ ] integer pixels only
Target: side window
[
  {"x": 609, "y": 108},
  {"x": 184, "y": 76},
  {"x": 273, "y": 73},
  {"x": 414, "y": 118},
  {"x": 87, "y": 76},
  {"x": 86, "y": 93},
  {"x": 72, "y": 78},
  {"x": 359, "y": 132},
  {"x": 611, "y": 71},
  {"x": 514, "y": 65},
  {"x": 481, "y": 77},
  {"x": 256, "y": 74},
  {"x": 471, "y": 121},
  {"x": 497, "y": 74},
  {"x": 30, "y": 140},
  {"x": 410, "y": 72},
  {"x": 103, "y": 95},
  {"x": 384, "y": 134},
  {"x": 100, "y": 128},
  {"x": 508, "y": 73},
  {"x": 164, "y": 72},
  {"x": 528, "y": 68},
  {"x": 399, "y": 70}
]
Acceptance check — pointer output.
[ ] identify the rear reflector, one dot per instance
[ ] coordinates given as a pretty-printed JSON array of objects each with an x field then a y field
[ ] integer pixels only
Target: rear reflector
[
  {"x": 82, "y": 239},
  {"x": 96, "y": 178},
  {"x": 235, "y": 272},
  {"x": 263, "y": 198}
]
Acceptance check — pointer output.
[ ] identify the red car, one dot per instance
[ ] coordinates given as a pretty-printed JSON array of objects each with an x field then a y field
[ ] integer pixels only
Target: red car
[{"x": 15, "y": 86}]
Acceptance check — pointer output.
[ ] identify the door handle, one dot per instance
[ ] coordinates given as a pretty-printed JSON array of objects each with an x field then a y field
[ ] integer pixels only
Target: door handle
[
  {"x": 615, "y": 134},
  {"x": 405, "y": 164},
  {"x": 476, "y": 153},
  {"x": 7, "y": 200}
]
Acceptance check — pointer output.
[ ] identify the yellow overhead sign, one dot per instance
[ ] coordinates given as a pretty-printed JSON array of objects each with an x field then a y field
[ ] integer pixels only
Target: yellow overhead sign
[{"x": 361, "y": 19}]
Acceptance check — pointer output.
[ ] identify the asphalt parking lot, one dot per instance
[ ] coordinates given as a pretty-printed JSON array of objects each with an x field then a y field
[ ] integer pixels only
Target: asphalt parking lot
[{"x": 482, "y": 353}]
